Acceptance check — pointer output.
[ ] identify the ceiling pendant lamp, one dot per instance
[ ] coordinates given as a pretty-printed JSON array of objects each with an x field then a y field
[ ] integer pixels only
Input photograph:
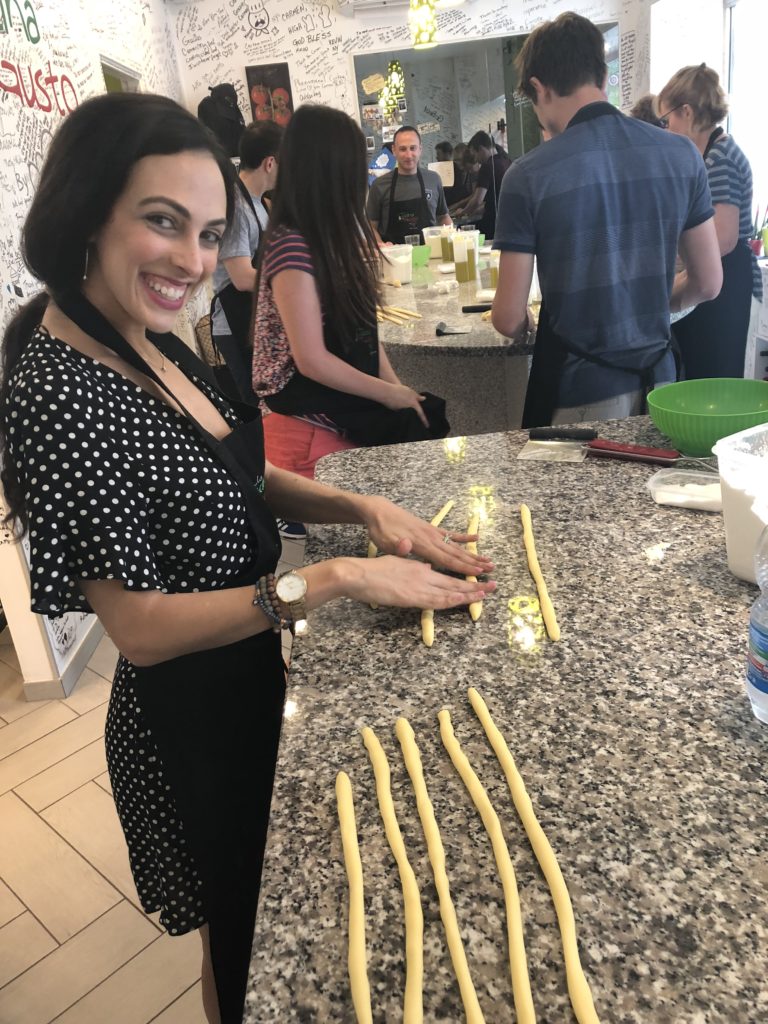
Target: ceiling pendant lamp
[
  {"x": 422, "y": 18},
  {"x": 394, "y": 88}
]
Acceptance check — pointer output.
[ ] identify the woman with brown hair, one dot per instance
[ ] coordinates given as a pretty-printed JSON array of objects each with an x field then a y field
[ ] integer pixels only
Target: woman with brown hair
[
  {"x": 712, "y": 339},
  {"x": 316, "y": 351},
  {"x": 147, "y": 500}
]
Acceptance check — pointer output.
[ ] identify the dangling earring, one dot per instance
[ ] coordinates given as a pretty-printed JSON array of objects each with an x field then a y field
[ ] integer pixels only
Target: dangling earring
[{"x": 85, "y": 268}]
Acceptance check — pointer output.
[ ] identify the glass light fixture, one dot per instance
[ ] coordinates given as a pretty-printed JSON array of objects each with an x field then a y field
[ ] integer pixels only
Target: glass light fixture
[
  {"x": 394, "y": 88},
  {"x": 422, "y": 18}
]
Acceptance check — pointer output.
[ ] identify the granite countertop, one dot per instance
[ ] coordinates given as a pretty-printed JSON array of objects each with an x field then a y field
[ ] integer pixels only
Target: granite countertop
[
  {"x": 634, "y": 735},
  {"x": 483, "y": 337}
]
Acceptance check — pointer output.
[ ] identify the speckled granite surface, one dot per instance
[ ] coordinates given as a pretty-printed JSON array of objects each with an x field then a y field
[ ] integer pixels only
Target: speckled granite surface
[
  {"x": 634, "y": 735},
  {"x": 482, "y": 375}
]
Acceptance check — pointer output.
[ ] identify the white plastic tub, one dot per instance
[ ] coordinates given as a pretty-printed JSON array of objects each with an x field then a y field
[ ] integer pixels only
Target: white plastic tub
[
  {"x": 397, "y": 264},
  {"x": 432, "y": 239},
  {"x": 743, "y": 463}
]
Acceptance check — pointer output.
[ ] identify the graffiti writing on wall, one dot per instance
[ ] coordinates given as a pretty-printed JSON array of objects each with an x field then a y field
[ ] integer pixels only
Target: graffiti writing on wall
[
  {"x": 27, "y": 21},
  {"x": 35, "y": 88}
]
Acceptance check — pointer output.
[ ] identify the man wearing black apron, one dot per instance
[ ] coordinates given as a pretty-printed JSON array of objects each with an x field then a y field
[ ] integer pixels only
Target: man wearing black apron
[
  {"x": 235, "y": 275},
  {"x": 604, "y": 206},
  {"x": 407, "y": 199}
]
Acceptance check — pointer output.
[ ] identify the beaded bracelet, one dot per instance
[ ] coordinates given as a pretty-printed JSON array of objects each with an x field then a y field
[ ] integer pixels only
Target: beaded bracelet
[{"x": 266, "y": 599}]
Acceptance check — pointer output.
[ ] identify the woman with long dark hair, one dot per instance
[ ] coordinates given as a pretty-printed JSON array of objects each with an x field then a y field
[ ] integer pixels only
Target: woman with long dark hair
[
  {"x": 147, "y": 500},
  {"x": 316, "y": 349},
  {"x": 712, "y": 339}
]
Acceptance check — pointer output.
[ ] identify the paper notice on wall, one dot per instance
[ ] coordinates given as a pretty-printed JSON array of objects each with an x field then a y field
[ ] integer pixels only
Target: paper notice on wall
[
  {"x": 373, "y": 83},
  {"x": 429, "y": 128},
  {"x": 445, "y": 169}
]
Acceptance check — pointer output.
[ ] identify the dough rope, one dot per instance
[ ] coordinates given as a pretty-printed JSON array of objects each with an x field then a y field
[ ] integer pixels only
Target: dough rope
[
  {"x": 521, "y": 985},
  {"x": 413, "y": 1004},
  {"x": 428, "y": 615},
  {"x": 578, "y": 989},
  {"x": 547, "y": 609},
  {"x": 476, "y": 608},
  {"x": 405, "y": 735},
  {"x": 357, "y": 960}
]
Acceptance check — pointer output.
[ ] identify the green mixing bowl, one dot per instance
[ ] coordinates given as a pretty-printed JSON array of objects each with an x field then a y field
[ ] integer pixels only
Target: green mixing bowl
[{"x": 694, "y": 414}]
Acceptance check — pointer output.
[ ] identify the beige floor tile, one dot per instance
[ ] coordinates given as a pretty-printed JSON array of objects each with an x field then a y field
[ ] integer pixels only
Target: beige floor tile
[
  {"x": 51, "y": 749},
  {"x": 10, "y": 906},
  {"x": 65, "y": 777},
  {"x": 188, "y": 1009},
  {"x": 103, "y": 781},
  {"x": 88, "y": 820},
  {"x": 142, "y": 988},
  {"x": 104, "y": 658},
  {"x": 60, "y": 888},
  {"x": 33, "y": 726},
  {"x": 72, "y": 970},
  {"x": 13, "y": 703},
  {"x": 9, "y": 657},
  {"x": 90, "y": 691},
  {"x": 22, "y": 943}
]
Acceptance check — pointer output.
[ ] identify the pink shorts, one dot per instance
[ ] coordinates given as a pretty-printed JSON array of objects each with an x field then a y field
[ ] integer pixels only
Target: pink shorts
[{"x": 294, "y": 444}]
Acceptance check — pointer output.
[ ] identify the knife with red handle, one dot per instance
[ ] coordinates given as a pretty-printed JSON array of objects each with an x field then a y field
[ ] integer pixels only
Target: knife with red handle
[{"x": 635, "y": 452}]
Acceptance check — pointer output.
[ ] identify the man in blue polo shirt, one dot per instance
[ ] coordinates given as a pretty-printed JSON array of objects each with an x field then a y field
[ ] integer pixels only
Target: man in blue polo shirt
[{"x": 604, "y": 206}]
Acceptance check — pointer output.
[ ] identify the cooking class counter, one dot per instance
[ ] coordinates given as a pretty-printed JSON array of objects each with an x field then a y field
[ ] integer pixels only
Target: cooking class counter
[
  {"x": 633, "y": 734},
  {"x": 482, "y": 374}
]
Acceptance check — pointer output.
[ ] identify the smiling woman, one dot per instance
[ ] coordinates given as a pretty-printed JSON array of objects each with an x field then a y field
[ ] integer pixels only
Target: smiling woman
[{"x": 148, "y": 500}]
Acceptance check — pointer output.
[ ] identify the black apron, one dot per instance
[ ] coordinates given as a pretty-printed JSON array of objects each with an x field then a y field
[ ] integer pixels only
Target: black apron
[
  {"x": 236, "y": 348},
  {"x": 712, "y": 339},
  {"x": 364, "y": 421},
  {"x": 406, "y": 216},
  {"x": 550, "y": 353},
  {"x": 215, "y": 715}
]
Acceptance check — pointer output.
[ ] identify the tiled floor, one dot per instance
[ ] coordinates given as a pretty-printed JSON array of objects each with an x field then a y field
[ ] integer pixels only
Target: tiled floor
[{"x": 75, "y": 946}]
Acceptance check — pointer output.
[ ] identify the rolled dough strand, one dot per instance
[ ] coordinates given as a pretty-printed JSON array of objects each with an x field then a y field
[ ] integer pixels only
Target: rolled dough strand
[
  {"x": 518, "y": 964},
  {"x": 578, "y": 989},
  {"x": 404, "y": 733},
  {"x": 372, "y": 553},
  {"x": 413, "y": 1007},
  {"x": 476, "y": 608},
  {"x": 428, "y": 615},
  {"x": 357, "y": 961},
  {"x": 547, "y": 609}
]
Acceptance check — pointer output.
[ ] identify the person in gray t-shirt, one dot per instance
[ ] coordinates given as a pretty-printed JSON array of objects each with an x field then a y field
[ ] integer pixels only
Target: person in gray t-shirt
[
  {"x": 408, "y": 198},
  {"x": 235, "y": 276}
]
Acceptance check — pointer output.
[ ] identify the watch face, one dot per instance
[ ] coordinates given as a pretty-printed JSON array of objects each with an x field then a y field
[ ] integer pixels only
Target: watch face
[{"x": 291, "y": 587}]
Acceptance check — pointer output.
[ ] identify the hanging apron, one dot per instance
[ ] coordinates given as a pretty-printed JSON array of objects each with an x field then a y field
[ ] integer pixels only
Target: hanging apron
[
  {"x": 550, "y": 353},
  {"x": 215, "y": 715},
  {"x": 406, "y": 216},
  {"x": 363, "y": 421},
  {"x": 712, "y": 339}
]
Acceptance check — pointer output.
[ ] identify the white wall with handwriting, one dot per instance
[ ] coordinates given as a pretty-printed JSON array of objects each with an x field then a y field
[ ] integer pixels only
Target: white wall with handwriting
[
  {"x": 50, "y": 60},
  {"x": 217, "y": 39}
]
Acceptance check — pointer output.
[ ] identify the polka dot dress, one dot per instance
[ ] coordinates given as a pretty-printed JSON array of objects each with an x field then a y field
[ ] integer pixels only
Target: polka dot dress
[{"x": 118, "y": 486}]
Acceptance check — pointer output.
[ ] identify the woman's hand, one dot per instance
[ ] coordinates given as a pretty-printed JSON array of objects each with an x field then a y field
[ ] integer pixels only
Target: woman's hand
[
  {"x": 403, "y": 583},
  {"x": 397, "y": 532},
  {"x": 400, "y": 396}
]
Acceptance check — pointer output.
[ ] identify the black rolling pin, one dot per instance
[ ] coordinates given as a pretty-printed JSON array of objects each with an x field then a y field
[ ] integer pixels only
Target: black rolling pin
[{"x": 482, "y": 307}]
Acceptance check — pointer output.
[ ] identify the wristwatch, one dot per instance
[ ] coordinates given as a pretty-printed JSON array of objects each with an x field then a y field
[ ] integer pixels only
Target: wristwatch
[{"x": 291, "y": 589}]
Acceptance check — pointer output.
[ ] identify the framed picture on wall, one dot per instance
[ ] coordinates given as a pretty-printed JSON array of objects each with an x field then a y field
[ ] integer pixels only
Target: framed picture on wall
[
  {"x": 402, "y": 106},
  {"x": 269, "y": 90},
  {"x": 370, "y": 143}
]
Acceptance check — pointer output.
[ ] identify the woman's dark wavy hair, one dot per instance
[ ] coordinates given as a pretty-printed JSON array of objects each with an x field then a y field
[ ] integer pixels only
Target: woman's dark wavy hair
[
  {"x": 322, "y": 185},
  {"x": 85, "y": 171}
]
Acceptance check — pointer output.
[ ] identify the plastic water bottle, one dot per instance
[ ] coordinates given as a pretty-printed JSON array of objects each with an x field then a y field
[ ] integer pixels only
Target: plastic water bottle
[{"x": 757, "y": 660}]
